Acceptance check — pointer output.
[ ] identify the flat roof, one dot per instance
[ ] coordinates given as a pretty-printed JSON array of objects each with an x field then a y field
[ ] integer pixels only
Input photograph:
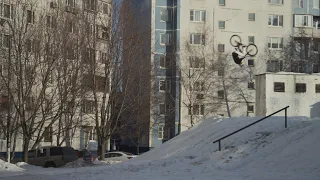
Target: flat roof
[{"x": 288, "y": 73}]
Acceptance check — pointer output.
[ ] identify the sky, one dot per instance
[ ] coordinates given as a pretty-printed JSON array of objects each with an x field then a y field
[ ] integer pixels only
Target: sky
[{"x": 265, "y": 151}]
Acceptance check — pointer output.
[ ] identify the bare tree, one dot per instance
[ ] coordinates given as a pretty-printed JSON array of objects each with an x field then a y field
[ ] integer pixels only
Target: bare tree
[{"x": 297, "y": 53}]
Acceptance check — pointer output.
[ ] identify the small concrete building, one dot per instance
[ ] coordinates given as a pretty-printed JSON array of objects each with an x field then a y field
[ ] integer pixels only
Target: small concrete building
[{"x": 299, "y": 91}]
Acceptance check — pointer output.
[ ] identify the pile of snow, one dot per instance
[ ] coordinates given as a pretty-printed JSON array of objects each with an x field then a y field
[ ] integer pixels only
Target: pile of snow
[
  {"x": 264, "y": 151},
  {"x": 28, "y": 167},
  {"x": 77, "y": 163},
  {"x": 5, "y": 166},
  {"x": 104, "y": 162}
]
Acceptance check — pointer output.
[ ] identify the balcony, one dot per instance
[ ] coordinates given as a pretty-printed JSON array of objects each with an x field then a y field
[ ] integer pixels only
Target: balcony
[{"x": 308, "y": 31}]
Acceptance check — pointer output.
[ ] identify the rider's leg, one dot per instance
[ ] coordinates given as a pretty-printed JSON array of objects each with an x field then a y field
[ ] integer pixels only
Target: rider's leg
[{"x": 241, "y": 55}]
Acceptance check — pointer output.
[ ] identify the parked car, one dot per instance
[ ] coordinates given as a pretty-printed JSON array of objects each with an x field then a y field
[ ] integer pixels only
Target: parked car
[
  {"x": 52, "y": 156},
  {"x": 86, "y": 155},
  {"x": 118, "y": 156}
]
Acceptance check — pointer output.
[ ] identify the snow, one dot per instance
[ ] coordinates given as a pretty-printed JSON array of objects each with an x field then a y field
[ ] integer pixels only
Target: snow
[
  {"x": 264, "y": 151},
  {"x": 4, "y": 166}
]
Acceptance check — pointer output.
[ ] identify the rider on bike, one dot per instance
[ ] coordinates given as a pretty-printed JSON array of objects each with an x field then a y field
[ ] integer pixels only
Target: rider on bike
[{"x": 237, "y": 57}]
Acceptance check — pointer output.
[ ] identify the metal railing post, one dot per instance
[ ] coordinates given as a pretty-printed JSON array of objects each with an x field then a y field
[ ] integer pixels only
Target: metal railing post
[
  {"x": 220, "y": 145},
  {"x": 285, "y": 118}
]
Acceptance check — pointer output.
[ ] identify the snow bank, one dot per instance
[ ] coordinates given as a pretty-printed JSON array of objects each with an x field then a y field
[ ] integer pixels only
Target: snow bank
[
  {"x": 28, "y": 167},
  {"x": 264, "y": 151},
  {"x": 5, "y": 166},
  {"x": 77, "y": 163}
]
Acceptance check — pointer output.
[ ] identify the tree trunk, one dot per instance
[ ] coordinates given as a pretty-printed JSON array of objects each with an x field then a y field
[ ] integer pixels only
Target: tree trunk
[
  {"x": 226, "y": 98},
  {"x": 102, "y": 147},
  {"x": 25, "y": 148},
  {"x": 138, "y": 146}
]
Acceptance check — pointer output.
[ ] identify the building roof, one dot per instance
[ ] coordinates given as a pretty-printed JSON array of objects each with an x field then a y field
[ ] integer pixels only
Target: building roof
[{"x": 288, "y": 73}]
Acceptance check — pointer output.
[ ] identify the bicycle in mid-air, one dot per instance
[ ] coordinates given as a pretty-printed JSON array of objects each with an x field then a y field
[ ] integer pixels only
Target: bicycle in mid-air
[{"x": 242, "y": 51}]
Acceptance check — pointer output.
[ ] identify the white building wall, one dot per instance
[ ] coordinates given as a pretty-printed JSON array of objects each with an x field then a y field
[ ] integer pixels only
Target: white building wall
[
  {"x": 235, "y": 14},
  {"x": 301, "y": 104}
]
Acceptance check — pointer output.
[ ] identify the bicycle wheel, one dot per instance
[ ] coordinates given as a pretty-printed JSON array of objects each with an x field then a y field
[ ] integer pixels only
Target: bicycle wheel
[
  {"x": 252, "y": 50},
  {"x": 235, "y": 40}
]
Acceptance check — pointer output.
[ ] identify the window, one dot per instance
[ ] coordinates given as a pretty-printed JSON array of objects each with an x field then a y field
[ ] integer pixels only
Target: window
[
  {"x": 51, "y": 22},
  {"x": 222, "y": 2},
  {"x": 299, "y": 3},
  {"x": 275, "y": 1},
  {"x": 164, "y": 85},
  {"x": 316, "y": 4},
  {"x": 198, "y": 86},
  {"x": 274, "y": 66},
  {"x": 55, "y": 151},
  {"x": 89, "y": 55},
  {"x": 165, "y": 39},
  {"x": 251, "y": 62},
  {"x": 198, "y": 39},
  {"x": 2, "y": 133},
  {"x": 42, "y": 152},
  {"x": 47, "y": 134},
  {"x": 222, "y": 24},
  {"x": 4, "y": 102},
  {"x": 197, "y": 16},
  {"x": 303, "y": 21},
  {"x": 70, "y": 3},
  {"x": 104, "y": 7},
  {"x": 7, "y": 11},
  {"x": 87, "y": 107},
  {"x": 89, "y": 133},
  {"x": 6, "y": 41},
  {"x": 102, "y": 57},
  {"x": 278, "y": 87},
  {"x": 160, "y": 131},
  {"x": 30, "y": 103},
  {"x": 251, "y": 39},
  {"x": 196, "y": 62},
  {"x": 221, "y": 47},
  {"x": 30, "y": 17},
  {"x": 221, "y": 94},
  {"x": 315, "y": 46},
  {"x": 102, "y": 84},
  {"x": 196, "y": 109},
  {"x": 250, "y": 108},
  {"x": 252, "y": 17},
  {"x": 275, "y": 20},
  {"x": 221, "y": 71},
  {"x": 70, "y": 26},
  {"x": 275, "y": 43},
  {"x": 166, "y": 15},
  {"x": 250, "y": 85},
  {"x": 317, "y": 87},
  {"x": 90, "y": 5},
  {"x": 301, "y": 87},
  {"x": 165, "y": 62},
  {"x": 102, "y": 32},
  {"x": 164, "y": 109}
]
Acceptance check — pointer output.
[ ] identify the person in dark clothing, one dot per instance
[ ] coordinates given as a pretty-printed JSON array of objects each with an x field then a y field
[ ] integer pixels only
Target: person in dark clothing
[{"x": 237, "y": 59}]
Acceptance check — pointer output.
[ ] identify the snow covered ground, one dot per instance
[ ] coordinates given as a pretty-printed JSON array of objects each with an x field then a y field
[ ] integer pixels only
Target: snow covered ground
[{"x": 265, "y": 151}]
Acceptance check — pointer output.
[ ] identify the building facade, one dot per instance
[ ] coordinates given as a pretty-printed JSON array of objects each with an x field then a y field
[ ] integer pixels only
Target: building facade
[
  {"x": 300, "y": 91},
  {"x": 61, "y": 29}
]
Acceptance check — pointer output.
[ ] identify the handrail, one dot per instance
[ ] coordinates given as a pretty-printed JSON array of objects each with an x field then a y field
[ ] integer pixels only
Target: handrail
[{"x": 285, "y": 118}]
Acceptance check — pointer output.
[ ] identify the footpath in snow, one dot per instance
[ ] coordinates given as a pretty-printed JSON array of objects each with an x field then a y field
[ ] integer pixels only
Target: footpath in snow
[{"x": 265, "y": 151}]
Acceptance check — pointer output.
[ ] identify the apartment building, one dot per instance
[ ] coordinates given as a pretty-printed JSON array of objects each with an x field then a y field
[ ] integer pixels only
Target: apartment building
[
  {"x": 300, "y": 91},
  {"x": 78, "y": 21},
  {"x": 306, "y": 16},
  {"x": 182, "y": 30}
]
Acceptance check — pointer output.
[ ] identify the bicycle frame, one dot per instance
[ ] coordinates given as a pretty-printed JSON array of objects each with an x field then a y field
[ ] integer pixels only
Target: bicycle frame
[{"x": 241, "y": 50}]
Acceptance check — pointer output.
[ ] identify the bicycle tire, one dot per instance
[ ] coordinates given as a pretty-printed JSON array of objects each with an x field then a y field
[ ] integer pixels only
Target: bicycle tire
[
  {"x": 233, "y": 40},
  {"x": 253, "y": 46}
]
